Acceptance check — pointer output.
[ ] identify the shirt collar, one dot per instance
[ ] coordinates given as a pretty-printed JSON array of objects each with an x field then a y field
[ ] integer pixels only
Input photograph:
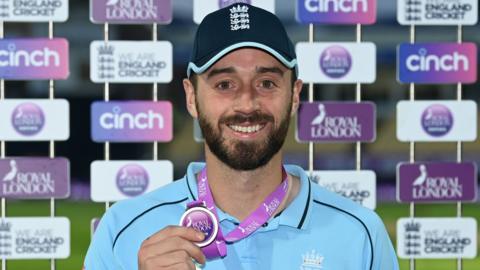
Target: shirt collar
[{"x": 296, "y": 213}]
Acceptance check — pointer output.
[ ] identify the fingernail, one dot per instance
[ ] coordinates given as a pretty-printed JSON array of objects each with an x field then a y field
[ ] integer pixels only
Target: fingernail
[
  {"x": 198, "y": 265},
  {"x": 200, "y": 236}
]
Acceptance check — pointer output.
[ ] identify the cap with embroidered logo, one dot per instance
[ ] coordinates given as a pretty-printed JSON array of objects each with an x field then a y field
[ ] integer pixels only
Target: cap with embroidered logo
[{"x": 240, "y": 26}]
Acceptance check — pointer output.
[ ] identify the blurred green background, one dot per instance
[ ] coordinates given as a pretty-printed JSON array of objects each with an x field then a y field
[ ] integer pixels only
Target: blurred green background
[{"x": 80, "y": 214}]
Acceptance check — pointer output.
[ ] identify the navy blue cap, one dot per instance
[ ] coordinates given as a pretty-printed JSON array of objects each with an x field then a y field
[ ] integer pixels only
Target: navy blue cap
[{"x": 240, "y": 26}]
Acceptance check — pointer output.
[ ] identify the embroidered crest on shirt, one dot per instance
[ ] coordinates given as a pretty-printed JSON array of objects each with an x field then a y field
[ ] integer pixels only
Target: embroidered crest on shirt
[
  {"x": 239, "y": 18},
  {"x": 312, "y": 261}
]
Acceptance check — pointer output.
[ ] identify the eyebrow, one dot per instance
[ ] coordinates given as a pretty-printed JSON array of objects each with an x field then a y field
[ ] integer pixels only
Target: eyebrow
[
  {"x": 230, "y": 70},
  {"x": 218, "y": 71},
  {"x": 276, "y": 70}
]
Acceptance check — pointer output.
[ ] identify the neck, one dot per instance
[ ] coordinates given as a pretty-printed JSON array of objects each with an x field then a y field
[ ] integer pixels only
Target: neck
[{"x": 239, "y": 193}]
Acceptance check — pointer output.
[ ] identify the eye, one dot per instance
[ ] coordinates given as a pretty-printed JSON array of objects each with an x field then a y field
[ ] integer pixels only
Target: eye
[
  {"x": 268, "y": 84},
  {"x": 224, "y": 85}
]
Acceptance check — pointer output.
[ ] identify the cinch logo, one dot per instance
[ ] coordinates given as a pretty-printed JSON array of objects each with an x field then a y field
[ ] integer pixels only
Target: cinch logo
[
  {"x": 346, "y": 6},
  {"x": 437, "y": 63},
  {"x": 139, "y": 121},
  {"x": 423, "y": 61},
  {"x": 23, "y": 58},
  {"x": 131, "y": 9},
  {"x": 126, "y": 120}
]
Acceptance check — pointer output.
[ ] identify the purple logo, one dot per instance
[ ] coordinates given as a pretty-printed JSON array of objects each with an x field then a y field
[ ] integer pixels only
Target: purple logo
[
  {"x": 226, "y": 3},
  {"x": 34, "y": 59},
  {"x": 437, "y": 63},
  {"x": 335, "y": 61},
  {"x": 131, "y": 11},
  {"x": 28, "y": 119},
  {"x": 336, "y": 122},
  {"x": 337, "y": 11},
  {"x": 201, "y": 220},
  {"x": 34, "y": 178},
  {"x": 132, "y": 180},
  {"x": 437, "y": 120},
  {"x": 132, "y": 121},
  {"x": 431, "y": 182}
]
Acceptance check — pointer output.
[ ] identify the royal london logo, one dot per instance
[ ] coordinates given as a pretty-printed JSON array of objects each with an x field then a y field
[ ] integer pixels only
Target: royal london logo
[
  {"x": 239, "y": 18},
  {"x": 17, "y": 182},
  {"x": 438, "y": 187},
  {"x": 131, "y": 9},
  {"x": 312, "y": 260},
  {"x": 334, "y": 127}
]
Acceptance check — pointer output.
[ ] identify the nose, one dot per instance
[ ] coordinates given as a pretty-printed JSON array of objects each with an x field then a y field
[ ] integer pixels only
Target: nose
[{"x": 246, "y": 100}]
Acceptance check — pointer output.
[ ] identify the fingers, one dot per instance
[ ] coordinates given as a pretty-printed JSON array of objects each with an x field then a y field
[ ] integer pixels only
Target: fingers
[
  {"x": 168, "y": 245},
  {"x": 171, "y": 231},
  {"x": 171, "y": 248},
  {"x": 177, "y": 260}
]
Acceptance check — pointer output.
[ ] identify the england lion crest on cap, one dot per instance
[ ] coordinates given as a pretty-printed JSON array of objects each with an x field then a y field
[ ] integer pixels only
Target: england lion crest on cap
[{"x": 239, "y": 18}]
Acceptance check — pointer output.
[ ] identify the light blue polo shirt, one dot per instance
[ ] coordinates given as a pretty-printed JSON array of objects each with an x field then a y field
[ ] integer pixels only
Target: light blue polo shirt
[{"x": 318, "y": 230}]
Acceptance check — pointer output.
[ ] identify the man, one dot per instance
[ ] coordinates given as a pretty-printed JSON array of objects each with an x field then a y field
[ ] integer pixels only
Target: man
[{"x": 243, "y": 209}]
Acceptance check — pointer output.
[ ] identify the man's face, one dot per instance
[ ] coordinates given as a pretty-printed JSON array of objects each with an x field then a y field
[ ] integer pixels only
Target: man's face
[{"x": 243, "y": 104}]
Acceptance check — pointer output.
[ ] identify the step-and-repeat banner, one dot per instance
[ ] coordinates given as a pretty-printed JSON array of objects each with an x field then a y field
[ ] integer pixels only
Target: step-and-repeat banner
[
  {"x": 34, "y": 120},
  {"x": 327, "y": 121}
]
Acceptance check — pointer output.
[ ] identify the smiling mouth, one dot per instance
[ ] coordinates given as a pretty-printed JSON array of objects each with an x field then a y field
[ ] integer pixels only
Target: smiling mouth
[{"x": 247, "y": 129}]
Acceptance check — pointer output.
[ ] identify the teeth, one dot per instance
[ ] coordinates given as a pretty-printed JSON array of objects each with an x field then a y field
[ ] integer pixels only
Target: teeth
[{"x": 249, "y": 129}]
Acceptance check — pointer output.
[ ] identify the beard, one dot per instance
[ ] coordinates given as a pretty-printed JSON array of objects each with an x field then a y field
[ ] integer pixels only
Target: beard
[{"x": 245, "y": 155}]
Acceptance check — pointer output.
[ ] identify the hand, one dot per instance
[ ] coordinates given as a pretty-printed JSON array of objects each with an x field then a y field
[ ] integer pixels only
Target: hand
[{"x": 171, "y": 248}]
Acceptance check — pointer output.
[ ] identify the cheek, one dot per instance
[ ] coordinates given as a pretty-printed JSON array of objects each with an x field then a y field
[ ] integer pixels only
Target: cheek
[
  {"x": 282, "y": 106},
  {"x": 210, "y": 111}
]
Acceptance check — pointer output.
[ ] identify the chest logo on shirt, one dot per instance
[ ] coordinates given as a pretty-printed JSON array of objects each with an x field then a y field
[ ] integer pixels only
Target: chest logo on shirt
[{"x": 311, "y": 261}]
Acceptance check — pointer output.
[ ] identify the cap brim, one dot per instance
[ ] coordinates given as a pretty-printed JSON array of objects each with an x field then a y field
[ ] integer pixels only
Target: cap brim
[{"x": 200, "y": 69}]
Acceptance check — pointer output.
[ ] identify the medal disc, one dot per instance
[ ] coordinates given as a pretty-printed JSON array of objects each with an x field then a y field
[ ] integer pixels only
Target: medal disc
[{"x": 201, "y": 219}]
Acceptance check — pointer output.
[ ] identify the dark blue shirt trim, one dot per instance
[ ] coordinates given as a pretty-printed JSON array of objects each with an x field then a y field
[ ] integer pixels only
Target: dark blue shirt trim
[{"x": 143, "y": 213}]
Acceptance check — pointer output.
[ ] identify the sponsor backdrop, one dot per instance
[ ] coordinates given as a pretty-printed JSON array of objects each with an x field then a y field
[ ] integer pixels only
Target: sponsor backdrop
[
  {"x": 119, "y": 61},
  {"x": 140, "y": 63},
  {"x": 34, "y": 120},
  {"x": 436, "y": 121}
]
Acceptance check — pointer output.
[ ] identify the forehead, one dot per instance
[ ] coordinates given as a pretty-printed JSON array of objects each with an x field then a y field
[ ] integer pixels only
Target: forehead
[{"x": 247, "y": 59}]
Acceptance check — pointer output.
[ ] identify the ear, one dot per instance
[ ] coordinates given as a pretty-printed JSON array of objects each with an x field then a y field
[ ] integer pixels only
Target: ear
[
  {"x": 297, "y": 89},
  {"x": 190, "y": 97}
]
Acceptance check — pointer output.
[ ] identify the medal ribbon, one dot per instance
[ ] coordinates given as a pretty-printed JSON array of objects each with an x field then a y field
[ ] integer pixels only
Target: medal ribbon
[{"x": 256, "y": 219}]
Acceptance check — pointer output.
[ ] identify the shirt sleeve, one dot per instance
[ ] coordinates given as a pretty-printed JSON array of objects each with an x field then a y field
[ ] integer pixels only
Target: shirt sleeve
[
  {"x": 384, "y": 256},
  {"x": 100, "y": 252}
]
